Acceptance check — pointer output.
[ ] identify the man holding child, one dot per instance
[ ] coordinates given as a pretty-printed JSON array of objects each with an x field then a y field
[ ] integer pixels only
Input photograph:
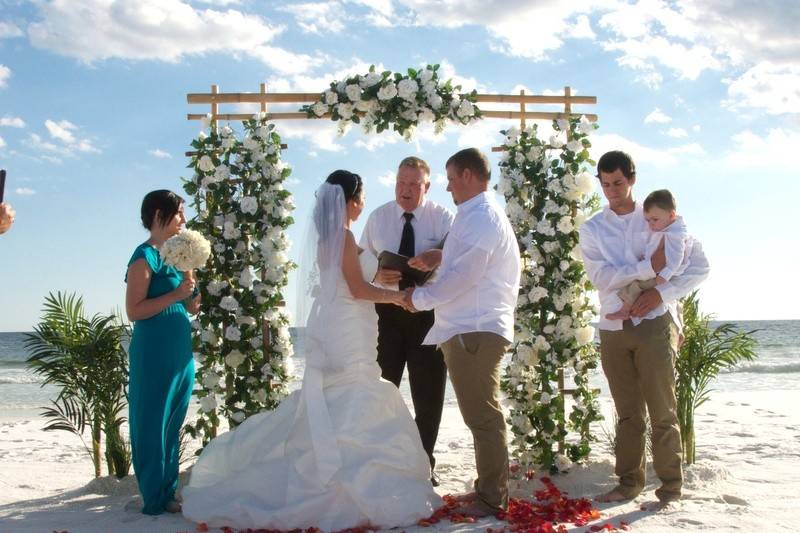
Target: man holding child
[{"x": 638, "y": 353}]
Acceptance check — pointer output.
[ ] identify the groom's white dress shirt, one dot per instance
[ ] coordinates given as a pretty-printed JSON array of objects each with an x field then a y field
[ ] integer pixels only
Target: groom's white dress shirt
[
  {"x": 384, "y": 228},
  {"x": 478, "y": 279},
  {"x": 614, "y": 250}
]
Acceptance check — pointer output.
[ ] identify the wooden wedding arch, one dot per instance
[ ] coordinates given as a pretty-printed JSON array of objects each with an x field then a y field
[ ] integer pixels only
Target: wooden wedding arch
[{"x": 527, "y": 111}]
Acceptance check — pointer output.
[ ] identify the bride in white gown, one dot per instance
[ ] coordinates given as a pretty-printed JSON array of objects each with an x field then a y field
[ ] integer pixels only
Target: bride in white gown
[{"x": 343, "y": 451}]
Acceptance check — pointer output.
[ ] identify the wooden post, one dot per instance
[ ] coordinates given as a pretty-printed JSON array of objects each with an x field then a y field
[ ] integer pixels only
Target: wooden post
[
  {"x": 214, "y": 90},
  {"x": 522, "y": 110},
  {"x": 561, "y": 444}
]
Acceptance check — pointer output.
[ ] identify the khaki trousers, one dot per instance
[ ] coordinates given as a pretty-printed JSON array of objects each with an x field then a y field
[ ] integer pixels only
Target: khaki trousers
[
  {"x": 639, "y": 363},
  {"x": 473, "y": 362}
]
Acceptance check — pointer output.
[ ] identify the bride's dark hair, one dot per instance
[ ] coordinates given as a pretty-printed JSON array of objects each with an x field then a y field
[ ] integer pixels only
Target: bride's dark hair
[{"x": 349, "y": 182}]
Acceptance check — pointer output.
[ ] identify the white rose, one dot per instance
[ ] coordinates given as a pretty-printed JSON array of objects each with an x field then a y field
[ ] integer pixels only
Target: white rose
[
  {"x": 246, "y": 320},
  {"x": 584, "y": 335},
  {"x": 251, "y": 144},
  {"x": 230, "y": 231},
  {"x": 556, "y": 142},
  {"x": 247, "y": 277},
  {"x": 563, "y": 265},
  {"x": 407, "y": 89},
  {"x": 370, "y": 79},
  {"x": 545, "y": 398},
  {"x": 563, "y": 462},
  {"x": 208, "y": 337},
  {"x": 222, "y": 173},
  {"x": 541, "y": 344},
  {"x": 262, "y": 132},
  {"x": 435, "y": 101},
  {"x": 232, "y": 333},
  {"x": 563, "y": 124},
  {"x": 465, "y": 109},
  {"x": 235, "y": 358},
  {"x": 208, "y": 403},
  {"x": 331, "y": 97},
  {"x": 575, "y": 146},
  {"x": 345, "y": 111},
  {"x": 205, "y": 164},
  {"x": 365, "y": 106},
  {"x": 387, "y": 92},
  {"x": 585, "y": 125},
  {"x": 319, "y": 108},
  {"x": 584, "y": 182},
  {"x": 229, "y": 303},
  {"x": 210, "y": 380},
  {"x": 565, "y": 225},
  {"x": 248, "y": 204},
  {"x": 260, "y": 396},
  {"x": 353, "y": 92}
]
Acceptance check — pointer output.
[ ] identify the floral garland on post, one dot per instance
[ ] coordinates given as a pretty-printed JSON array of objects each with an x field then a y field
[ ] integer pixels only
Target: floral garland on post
[
  {"x": 386, "y": 99},
  {"x": 548, "y": 196},
  {"x": 243, "y": 210}
]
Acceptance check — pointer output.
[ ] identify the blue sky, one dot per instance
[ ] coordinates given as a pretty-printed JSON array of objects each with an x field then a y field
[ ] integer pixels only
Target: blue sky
[{"x": 705, "y": 95}]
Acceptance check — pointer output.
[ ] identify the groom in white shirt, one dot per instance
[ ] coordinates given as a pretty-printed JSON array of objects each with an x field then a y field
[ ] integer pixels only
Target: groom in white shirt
[
  {"x": 410, "y": 224},
  {"x": 637, "y": 355},
  {"x": 474, "y": 298}
]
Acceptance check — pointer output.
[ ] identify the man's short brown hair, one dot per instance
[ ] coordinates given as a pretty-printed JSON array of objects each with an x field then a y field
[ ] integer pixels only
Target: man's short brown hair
[
  {"x": 473, "y": 159},
  {"x": 415, "y": 162}
]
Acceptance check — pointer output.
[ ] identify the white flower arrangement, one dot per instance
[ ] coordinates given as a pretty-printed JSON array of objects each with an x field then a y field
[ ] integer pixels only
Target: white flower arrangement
[
  {"x": 548, "y": 196},
  {"x": 188, "y": 250},
  {"x": 244, "y": 210},
  {"x": 387, "y": 100}
]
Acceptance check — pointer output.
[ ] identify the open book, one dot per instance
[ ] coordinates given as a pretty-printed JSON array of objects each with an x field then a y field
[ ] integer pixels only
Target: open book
[{"x": 393, "y": 261}]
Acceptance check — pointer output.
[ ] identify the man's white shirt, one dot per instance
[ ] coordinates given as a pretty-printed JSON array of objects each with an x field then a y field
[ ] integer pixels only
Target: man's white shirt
[
  {"x": 612, "y": 246},
  {"x": 478, "y": 279},
  {"x": 384, "y": 228},
  {"x": 677, "y": 247}
]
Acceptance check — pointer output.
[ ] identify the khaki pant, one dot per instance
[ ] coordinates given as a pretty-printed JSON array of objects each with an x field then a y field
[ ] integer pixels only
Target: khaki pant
[
  {"x": 473, "y": 362},
  {"x": 639, "y": 363},
  {"x": 630, "y": 292}
]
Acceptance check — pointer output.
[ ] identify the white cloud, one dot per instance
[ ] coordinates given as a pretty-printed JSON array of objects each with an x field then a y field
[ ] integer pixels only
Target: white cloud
[
  {"x": 696, "y": 128},
  {"x": 9, "y": 30},
  {"x": 778, "y": 148},
  {"x": 657, "y": 116},
  {"x": 12, "y": 122},
  {"x": 688, "y": 149},
  {"x": 61, "y": 130},
  {"x": 5, "y": 73},
  {"x": 24, "y": 191},
  {"x": 160, "y": 154},
  {"x": 284, "y": 61},
  {"x": 320, "y": 133},
  {"x": 221, "y": 3},
  {"x": 318, "y": 17},
  {"x": 387, "y": 179},
  {"x": 2, "y": 142},
  {"x": 688, "y": 62},
  {"x": 602, "y": 143},
  {"x": 439, "y": 178},
  {"x": 163, "y": 30},
  {"x": 773, "y": 88},
  {"x": 68, "y": 144},
  {"x": 677, "y": 133}
]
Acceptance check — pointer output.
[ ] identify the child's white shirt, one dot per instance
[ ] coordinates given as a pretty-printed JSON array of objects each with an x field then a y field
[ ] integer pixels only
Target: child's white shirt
[{"x": 677, "y": 247}]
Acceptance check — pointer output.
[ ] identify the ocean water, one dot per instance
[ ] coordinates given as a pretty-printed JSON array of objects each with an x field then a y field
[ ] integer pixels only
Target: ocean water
[{"x": 22, "y": 393}]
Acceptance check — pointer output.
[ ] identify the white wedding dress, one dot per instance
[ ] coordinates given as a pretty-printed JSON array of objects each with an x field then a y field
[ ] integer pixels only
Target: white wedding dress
[{"x": 341, "y": 452}]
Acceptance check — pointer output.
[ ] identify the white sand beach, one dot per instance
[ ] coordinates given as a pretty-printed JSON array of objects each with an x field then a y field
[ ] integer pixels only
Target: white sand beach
[{"x": 747, "y": 477}]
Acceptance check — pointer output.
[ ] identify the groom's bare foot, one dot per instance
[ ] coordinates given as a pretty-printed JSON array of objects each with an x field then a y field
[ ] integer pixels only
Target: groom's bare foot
[
  {"x": 614, "y": 495},
  {"x": 464, "y": 496},
  {"x": 172, "y": 506}
]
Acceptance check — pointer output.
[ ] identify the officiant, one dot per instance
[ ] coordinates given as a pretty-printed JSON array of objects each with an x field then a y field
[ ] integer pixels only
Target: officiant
[{"x": 408, "y": 226}]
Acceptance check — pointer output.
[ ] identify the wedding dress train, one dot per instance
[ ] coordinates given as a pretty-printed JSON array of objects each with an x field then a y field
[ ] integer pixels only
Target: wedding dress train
[{"x": 341, "y": 452}]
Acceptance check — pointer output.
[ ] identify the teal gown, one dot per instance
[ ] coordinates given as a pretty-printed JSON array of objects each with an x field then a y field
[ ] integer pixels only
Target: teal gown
[{"x": 160, "y": 386}]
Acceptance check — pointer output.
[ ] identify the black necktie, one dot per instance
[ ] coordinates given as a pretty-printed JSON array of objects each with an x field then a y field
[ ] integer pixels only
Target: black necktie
[{"x": 407, "y": 246}]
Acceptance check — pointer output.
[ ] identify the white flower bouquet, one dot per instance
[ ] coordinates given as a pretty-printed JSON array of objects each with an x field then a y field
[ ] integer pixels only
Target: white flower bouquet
[{"x": 186, "y": 251}]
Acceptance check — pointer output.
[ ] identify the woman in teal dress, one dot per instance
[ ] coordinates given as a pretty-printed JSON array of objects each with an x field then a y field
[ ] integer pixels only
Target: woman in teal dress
[{"x": 161, "y": 362}]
